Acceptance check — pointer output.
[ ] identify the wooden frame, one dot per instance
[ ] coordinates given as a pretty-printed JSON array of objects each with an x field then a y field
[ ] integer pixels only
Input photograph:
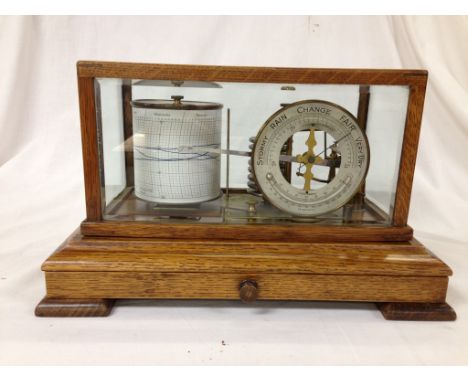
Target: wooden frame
[{"x": 95, "y": 225}]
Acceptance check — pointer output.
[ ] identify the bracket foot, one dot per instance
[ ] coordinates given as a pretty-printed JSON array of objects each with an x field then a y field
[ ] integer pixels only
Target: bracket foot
[
  {"x": 70, "y": 307},
  {"x": 411, "y": 311}
]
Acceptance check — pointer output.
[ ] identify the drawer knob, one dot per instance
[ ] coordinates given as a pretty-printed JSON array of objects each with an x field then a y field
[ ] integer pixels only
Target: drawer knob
[{"x": 248, "y": 291}]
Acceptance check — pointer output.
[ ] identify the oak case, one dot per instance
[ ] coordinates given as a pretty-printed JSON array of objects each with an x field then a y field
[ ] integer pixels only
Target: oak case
[{"x": 105, "y": 260}]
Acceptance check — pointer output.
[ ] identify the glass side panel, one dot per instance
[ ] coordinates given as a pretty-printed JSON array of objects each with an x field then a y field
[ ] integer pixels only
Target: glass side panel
[
  {"x": 385, "y": 128},
  {"x": 111, "y": 134},
  {"x": 249, "y": 153}
]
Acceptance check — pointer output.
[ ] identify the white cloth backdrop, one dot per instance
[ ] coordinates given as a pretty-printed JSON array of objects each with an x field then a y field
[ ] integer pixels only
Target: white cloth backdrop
[{"x": 42, "y": 196}]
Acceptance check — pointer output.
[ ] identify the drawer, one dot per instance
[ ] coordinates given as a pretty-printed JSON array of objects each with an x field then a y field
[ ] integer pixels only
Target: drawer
[{"x": 233, "y": 286}]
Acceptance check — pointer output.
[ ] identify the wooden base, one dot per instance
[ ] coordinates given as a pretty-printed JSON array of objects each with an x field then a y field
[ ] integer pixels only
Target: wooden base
[
  {"x": 62, "y": 307},
  {"x": 417, "y": 311},
  {"x": 86, "y": 274}
]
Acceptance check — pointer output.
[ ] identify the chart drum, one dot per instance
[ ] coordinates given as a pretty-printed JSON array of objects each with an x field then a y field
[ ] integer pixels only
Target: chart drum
[{"x": 166, "y": 172}]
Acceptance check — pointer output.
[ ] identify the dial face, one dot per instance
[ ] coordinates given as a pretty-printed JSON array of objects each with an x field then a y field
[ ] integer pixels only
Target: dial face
[{"x": 330, "y": 157}]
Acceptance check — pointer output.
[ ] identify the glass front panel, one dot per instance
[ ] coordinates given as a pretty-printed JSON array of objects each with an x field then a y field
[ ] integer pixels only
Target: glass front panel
[{"x": 249, "y": 153}]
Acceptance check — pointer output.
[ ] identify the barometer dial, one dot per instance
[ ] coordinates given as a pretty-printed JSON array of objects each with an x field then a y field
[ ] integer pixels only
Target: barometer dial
[{"x": 326, "y": 138}]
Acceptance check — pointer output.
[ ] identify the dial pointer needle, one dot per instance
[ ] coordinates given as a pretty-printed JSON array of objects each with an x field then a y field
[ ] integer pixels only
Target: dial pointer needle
[{"x": 339, "y": 140}]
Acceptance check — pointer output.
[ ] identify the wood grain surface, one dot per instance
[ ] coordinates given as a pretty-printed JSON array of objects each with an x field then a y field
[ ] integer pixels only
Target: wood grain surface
[
  {"x": 244, "y": 231},
  {"x": 91, "y": 69},
  {"x": 146, "y": 255},
  {"x": 66, "y": 307},
  {"x": 417, "y": 311},
  {"x": 408, "y": 154},
  {"x": 140, "y": 285},
  {"x": 90, "y": 149}
]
